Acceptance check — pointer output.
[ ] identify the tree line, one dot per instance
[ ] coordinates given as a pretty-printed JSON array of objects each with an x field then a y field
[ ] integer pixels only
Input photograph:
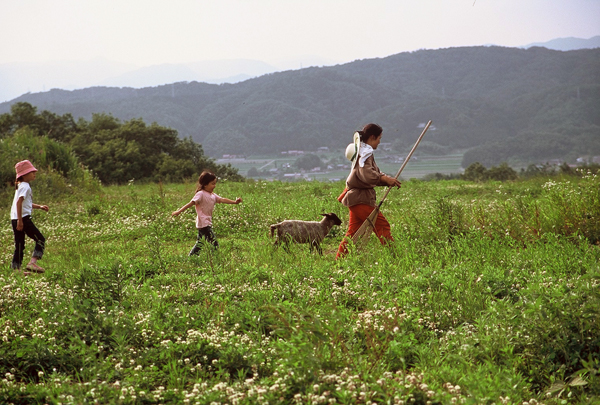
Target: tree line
[{"x": 114, "y": 151}]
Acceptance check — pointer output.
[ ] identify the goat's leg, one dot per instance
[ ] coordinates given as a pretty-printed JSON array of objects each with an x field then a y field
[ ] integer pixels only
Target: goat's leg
[{"x": 316, "y": 245}]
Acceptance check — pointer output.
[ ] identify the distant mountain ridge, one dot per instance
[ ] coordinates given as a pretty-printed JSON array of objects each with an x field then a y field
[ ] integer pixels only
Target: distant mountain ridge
[
  {"x": 20, "y": 78},
  {"x": 500, "y": 103},
  {"x": 225, "y": 71},
  {"x": 568, "y": 44}
]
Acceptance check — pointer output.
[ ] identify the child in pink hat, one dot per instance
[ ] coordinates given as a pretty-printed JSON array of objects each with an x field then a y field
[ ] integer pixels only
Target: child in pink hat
[{"x": 20, "y": 215}]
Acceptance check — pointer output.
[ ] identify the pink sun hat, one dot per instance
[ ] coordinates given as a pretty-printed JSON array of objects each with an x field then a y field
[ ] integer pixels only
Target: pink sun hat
[{"x": 24, "y": 167}]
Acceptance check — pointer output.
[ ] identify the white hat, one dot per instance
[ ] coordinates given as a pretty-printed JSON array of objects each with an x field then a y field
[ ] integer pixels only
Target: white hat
[{"x": 352, "y": 149}]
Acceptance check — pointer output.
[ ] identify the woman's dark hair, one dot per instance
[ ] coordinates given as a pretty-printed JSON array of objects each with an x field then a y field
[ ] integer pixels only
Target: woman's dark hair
[
  {"x": 370, "y": 131},
  {"x": 205, "y": 178}
]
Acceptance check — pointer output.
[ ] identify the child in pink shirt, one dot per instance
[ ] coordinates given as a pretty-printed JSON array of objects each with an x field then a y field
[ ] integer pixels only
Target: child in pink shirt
[{"x": 204, "y": 201}]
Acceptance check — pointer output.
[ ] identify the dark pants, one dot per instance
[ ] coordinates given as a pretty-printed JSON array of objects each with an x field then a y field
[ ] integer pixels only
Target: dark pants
[
  {"x": 30, "y": 230},
  {"x": 205, "y": 235}
]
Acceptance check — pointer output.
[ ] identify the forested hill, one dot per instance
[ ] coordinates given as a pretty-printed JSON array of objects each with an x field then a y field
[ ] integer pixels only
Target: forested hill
[{"x": 500, "y": 103}]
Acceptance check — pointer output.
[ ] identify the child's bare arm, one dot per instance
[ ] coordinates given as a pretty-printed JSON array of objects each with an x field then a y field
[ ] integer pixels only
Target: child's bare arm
[
  {"x": 228, "y": 201},
  {"x": 40, "y": 207},
  {"x": 20, "y": 214},
  {"x": 180, "y": 210}
]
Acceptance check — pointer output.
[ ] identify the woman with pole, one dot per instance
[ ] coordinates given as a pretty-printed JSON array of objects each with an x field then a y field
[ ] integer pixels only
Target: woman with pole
[
  {"x": 364, "y": 216},
  {"x": 359, "y": 195}
]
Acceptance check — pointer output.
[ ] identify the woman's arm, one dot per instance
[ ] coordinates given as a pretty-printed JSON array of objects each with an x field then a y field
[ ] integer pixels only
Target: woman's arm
[
  {"x": 390, "y": 181},
  {"x": 376, "y": 177},
  {"x": 180, "y": 210},
  {"x": 370, "y": 176}
]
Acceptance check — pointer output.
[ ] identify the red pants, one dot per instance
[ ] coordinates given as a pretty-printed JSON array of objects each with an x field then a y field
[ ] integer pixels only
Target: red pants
[{"x": 358, "y": 215}]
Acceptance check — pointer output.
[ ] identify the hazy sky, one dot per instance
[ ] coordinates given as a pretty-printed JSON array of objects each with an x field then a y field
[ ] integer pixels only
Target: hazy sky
[{"x": 145, "y": 32}]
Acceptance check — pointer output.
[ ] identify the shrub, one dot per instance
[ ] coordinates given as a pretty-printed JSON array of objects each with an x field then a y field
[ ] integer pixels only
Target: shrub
[{"x": 59, "y": 171}]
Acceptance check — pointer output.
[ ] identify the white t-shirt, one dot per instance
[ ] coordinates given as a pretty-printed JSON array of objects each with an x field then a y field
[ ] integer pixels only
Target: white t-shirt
[
  {"x": 204, "y": 203},
  {"x": 24, "y": 191}
]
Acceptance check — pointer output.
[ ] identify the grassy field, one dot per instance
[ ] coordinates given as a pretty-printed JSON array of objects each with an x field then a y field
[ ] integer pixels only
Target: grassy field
[
  {"x": 419, "y": 166},
  {"x": 490, "y": 295}
]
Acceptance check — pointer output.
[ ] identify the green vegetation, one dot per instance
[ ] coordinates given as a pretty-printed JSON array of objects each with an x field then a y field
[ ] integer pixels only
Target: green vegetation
[
  {"x": 308, "y": 161},
  {"x": 491, "y": 294},
  {"x": 115, "y": 152},
  {"x": 497, "y": 104}
]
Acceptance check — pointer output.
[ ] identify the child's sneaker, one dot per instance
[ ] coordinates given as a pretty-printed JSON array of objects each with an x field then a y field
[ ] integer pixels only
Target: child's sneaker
[{"x": 35, "y": 268}]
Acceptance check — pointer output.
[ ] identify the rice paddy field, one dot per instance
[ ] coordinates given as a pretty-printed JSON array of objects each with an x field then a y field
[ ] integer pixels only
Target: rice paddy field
[
  {"x": 489, "y": 295},
  {"x": 419, "y": 166}
]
